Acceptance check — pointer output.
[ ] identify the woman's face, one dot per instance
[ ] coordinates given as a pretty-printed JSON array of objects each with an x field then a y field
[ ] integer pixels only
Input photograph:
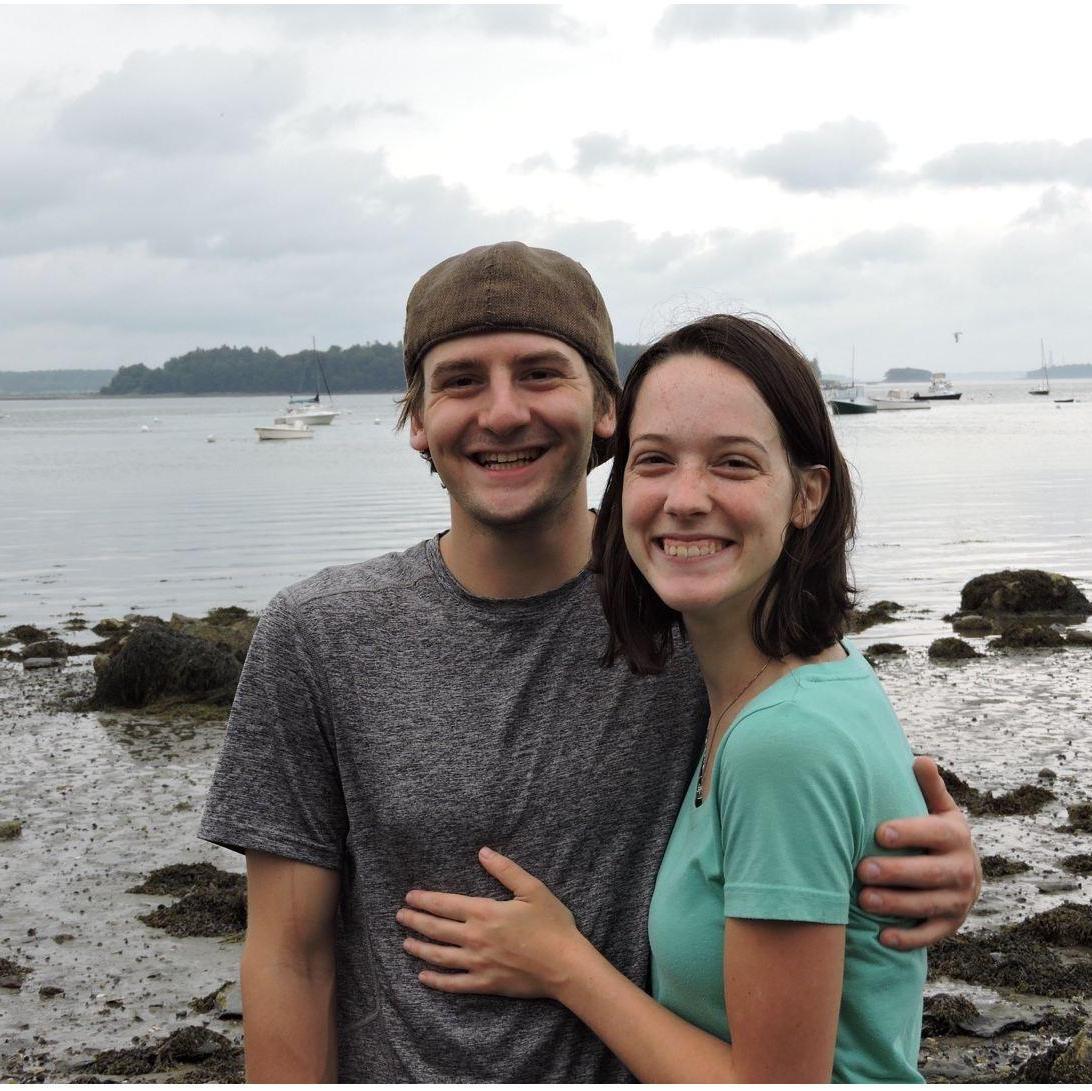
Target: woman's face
[{"x": 708, "y": 493}]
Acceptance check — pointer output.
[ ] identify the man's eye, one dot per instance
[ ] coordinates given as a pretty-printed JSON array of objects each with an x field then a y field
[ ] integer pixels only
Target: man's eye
[
  {"x": 540, "y": 374},
  {"x": 458, "y": 381}
]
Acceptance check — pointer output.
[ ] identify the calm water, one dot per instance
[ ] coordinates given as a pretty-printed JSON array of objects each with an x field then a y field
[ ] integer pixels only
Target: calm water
[{"x": 102, "y": 517}]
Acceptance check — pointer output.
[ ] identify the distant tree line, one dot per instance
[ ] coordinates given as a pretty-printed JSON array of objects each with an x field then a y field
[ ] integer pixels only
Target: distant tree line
[
  {"x": 1063, "y": 371},
  {"x": 76, "y": 381},
  {"x": 375, "y": 367}
]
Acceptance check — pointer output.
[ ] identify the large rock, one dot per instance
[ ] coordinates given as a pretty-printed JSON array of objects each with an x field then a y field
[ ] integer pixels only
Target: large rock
[
  {"x": 951, "y": 647},
  {"x": 1020, "y": 634},
  {"x": 231, "y": 627},
  {"x": 157, "y": 663},
  {"x": 1075, "y": 1064},
  {"x": 1023, "y": 591}
]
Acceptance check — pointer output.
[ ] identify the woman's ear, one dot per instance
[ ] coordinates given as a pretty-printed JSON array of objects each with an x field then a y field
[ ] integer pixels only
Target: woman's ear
[{"x": 811, "y": 495}]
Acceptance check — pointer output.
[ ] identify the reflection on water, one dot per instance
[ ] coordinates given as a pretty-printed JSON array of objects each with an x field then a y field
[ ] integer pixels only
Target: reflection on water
[{"x": 104, "y": 517}]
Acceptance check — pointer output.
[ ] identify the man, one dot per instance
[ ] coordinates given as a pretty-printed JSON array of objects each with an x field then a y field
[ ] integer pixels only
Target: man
[{"x": 396, "y": 715}]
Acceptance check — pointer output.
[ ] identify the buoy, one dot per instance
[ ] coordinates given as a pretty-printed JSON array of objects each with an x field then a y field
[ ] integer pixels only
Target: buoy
[
  {"x": 145, "y": 428},
  {"x": 377, "y": 421},
  {"x": 155, "y": 420},
  {"x": 210, "y": 439}
]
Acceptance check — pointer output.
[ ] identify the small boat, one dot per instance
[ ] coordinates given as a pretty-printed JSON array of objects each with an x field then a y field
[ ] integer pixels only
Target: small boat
[
  {"x": 850, "y": 401},
  {"x": 1064, "y": 401},
  {"x": 309, "y": 409},
  {"x": 1043, "y": 389},
  {"x": 899, "y": 399},
  {"x": 310, "y": 414},
  {"x": 940, "y": 390},
  {"x": 294, "y": 430}
]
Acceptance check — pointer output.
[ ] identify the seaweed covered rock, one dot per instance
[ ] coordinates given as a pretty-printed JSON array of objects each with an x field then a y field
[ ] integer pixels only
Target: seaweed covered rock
[
  {"x": 229, "y": 627},
  {"x": 1009, "y": 960},
  {"x": 1080, "y": 819},
  {"x": 877, "y": 614},
  {"x": 27, "y": 634},
  {"x": 946, "y": 1014},
  {"x": 181, "y": 879},
  {"x": 1066, "y": 925},
  {"x": 187, "y": 1045},
  {"x": 972, "y": 623},
  {"x": 1000, "y": 867},
  {"x": 1079, "y": 864},
  {"x": 157, "y": 663},
  {"x": 201, "y": 913},
  {"x": 1027, "y": 799},
  {"x": 12, "y": 974},
  {"x": 52, "y": 648},
  {"x": 1075, "y": 1063},
  {"x": 1023, "y": 591},
  {"x": 951, "y": 647},
  {"x": 1079, "y": 638},
  {"x": 885, "y": 649},
  {"x": 1028, "y": 635}
]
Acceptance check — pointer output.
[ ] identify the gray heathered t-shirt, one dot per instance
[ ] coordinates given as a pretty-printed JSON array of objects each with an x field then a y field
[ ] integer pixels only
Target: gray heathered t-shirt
[{"x": 388, "y": 724}]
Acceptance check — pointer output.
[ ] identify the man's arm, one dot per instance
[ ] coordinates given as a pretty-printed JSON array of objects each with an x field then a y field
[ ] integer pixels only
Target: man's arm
[
  {"x": 939, "y": 887},
  {"x": 288, "y": 971}
]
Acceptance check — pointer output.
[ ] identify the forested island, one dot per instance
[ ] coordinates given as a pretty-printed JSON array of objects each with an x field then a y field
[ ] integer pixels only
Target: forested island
[
  {"x": 370, "y": 368},
  {"x": 1063, "y": 371},
  {"x": 906, "y": 375}
]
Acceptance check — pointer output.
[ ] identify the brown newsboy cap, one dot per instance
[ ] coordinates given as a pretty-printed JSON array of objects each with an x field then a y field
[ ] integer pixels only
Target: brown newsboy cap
[{"x": 510, "y": 286}]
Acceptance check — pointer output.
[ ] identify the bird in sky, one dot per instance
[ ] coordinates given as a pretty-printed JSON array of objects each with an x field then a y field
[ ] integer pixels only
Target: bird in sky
[{"x": 957, "y": 335}]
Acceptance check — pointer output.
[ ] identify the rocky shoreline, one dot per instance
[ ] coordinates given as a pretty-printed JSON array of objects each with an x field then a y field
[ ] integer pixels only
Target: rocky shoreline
[{"x": 119, "y": 937}]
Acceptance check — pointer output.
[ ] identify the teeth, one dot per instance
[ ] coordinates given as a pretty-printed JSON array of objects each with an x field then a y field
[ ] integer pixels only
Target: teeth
[
  {"x": 507, "y": 458},
  {"x": 692, "y": 549}
]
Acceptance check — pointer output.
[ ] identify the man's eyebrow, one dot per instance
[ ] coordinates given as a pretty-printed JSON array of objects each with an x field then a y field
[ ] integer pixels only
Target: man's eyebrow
[
  {"x": 544, "y": 356},
  {"x": 720, "y": 441}
]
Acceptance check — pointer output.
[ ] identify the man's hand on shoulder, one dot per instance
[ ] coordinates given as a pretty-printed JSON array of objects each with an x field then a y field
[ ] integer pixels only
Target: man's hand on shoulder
[{"x": 937, "y": 887}]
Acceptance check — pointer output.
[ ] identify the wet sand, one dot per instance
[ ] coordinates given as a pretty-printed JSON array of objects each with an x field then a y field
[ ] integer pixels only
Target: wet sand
[{"x": 106, "y": 798}]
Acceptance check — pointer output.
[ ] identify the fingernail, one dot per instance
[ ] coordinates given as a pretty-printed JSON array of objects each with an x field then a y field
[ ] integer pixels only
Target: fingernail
[
  {"x": 892, "y": 941},
  {"x": 890, "y": 835},
  {"x": 871, "y": 871},
  {"x": 871, "y": 900},
  {"x": 486, "y": 852}
]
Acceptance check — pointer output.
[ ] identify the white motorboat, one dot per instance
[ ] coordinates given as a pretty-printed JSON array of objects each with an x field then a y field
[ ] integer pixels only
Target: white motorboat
[
  {"x": 940, "y": 390},
  {"x": 899, "y": 399},
  {"x": 294, "y": 430},
  {"x": 310, "y": 414}
]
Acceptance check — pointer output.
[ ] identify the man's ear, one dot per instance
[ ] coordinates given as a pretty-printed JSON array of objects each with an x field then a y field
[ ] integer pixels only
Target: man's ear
[
  {"x": 417, "y": 435},
  {"x": 606, "y": 422},
  {"x": 810, "y": 496}
]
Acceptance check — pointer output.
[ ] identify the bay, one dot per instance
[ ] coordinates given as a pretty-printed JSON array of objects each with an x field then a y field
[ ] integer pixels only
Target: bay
[{"x": 103, "y": 517}]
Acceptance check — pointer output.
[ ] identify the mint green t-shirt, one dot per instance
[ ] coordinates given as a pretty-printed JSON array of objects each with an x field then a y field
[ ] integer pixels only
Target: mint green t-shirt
[{"x": 799, "y": 783}]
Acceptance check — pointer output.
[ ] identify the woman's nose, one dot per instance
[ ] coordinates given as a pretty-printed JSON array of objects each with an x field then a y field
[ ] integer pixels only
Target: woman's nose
[{"x": 687, "y": 494}]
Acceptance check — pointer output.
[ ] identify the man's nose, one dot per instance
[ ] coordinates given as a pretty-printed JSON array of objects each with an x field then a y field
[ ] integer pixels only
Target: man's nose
[
  {"x": 504, "y": 409},
  {"x": 687, "y": 494}
]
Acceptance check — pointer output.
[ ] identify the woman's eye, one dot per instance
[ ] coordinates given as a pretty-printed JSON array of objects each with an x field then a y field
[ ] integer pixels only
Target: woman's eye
[
  {"x": 734, "y": 462},
  {"x": 651, "y": 458}
]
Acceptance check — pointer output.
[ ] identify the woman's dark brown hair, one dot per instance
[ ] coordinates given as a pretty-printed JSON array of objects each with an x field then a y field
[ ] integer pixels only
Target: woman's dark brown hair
[{"x": 804, "y": 605}]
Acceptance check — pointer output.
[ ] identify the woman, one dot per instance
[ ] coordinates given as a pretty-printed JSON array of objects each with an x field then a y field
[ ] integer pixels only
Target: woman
[{"x": 726, "y": 520}]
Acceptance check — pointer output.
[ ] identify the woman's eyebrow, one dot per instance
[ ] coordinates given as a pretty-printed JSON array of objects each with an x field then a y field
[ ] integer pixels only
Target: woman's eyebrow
[{"x": 720, "y": 441}]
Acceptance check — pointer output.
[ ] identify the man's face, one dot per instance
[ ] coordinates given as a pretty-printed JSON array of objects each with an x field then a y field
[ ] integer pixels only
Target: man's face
[{"x": 508, "y": 419}]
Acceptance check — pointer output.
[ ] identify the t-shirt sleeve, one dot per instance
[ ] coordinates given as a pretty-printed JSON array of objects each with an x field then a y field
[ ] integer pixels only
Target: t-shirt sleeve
[
  {"x": 790, "y": 790},
  {"x": 276, "y": 788}
]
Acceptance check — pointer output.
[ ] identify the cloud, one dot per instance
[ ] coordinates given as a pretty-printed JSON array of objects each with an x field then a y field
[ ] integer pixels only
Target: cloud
[
  {"x": 184, "y": 101},
  {"x": 789, "y": 22},
  {"x": 328, "y": 120},
  {"x": 543, "y": 161},
  {"x": 1016, "y": 163},
  {"x": 599, "y": 151},
  {"x": 836, "y": 155},
  {"x": 541, "y": 21},
  {"x": 895, "y": 245},
  {"x": 1056, "y": 204}
]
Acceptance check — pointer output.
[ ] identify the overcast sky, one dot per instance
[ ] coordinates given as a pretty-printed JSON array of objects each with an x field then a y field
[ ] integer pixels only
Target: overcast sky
[{"x": 872, "y": 178}]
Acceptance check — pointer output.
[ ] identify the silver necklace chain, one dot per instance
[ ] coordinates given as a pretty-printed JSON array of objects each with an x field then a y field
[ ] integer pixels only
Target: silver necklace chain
[{"x": 699, "y": 795}]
